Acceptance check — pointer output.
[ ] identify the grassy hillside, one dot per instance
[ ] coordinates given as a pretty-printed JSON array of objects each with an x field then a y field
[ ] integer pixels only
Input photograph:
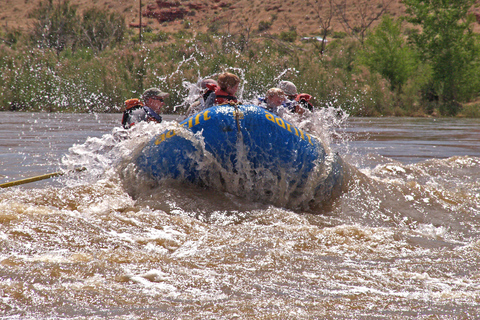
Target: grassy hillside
[
  {"x": 261, "y": 40},
  {"x": 304, "y": 15},
  {"x": 281, "y": 15}
]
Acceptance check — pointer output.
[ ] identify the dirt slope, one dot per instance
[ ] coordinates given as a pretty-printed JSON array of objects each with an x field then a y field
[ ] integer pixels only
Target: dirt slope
[
  {"x": 201, "y": 14},
  {"x": 279, "y": 15}
]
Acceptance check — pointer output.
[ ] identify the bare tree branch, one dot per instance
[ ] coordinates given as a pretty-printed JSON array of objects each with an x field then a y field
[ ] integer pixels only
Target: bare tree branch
[
  {"x": 367, "y": 11},
  {"x": 325, "y": 13}
]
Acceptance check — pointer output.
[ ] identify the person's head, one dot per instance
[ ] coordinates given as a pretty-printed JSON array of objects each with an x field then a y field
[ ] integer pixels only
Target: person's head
[
  {"x": 289, "y": 88},
  {"x": 274, "y": 97},
  {"x": 155, "y": 99},
  {"x": 228, "y": 82}
]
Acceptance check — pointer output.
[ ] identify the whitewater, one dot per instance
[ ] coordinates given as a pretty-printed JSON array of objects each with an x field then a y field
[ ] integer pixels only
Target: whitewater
[{"x": 401, "y": 241}]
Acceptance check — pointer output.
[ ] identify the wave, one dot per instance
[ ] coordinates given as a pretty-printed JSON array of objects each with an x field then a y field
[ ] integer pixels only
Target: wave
[{"x": 438, "y": 192}]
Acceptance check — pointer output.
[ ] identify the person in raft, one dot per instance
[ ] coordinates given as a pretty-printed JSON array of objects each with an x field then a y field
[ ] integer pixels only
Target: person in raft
[
  {"x": 298, "y": 102},
  {"x": 136, "y": 111},
  {"x": 221, "y": 92},
  {"x": 274, "y": 101},
  {"x": 206, "y": 97},
  {"x": 225, "y": 91}
]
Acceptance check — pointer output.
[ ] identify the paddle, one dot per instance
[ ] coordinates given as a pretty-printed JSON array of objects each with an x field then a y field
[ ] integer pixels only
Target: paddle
[{"x": 37, "y": 178}]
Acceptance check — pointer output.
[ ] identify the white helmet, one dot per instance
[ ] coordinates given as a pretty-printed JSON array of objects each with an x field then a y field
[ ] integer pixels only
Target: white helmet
[{"x": 288, "y": 87}]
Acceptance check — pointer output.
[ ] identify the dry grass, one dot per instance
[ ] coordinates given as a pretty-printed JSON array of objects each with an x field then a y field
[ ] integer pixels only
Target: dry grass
[
  {"x": 237, "y": 14},
  {"x": 228, "y": 14}
]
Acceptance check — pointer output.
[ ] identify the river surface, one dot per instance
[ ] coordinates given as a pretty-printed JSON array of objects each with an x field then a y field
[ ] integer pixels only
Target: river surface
[{"x": 401, "y": 242}]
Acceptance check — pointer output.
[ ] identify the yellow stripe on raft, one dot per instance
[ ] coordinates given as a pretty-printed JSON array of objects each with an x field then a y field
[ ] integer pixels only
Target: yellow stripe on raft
[
  {"x": 187, "y": 124},
  {"x": 198, "y": 119}
]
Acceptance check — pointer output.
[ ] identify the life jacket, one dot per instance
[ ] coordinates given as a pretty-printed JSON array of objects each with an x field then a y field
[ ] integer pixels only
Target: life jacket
[
  {"x": 208, "y": 92},
  {"x": 221, "y": 97},
  {"x": 131, "y": 103},
  {"x": 135, "y": 112},
  {"x": 303, "y": 96},
  {"x": 304, "y": 100}
]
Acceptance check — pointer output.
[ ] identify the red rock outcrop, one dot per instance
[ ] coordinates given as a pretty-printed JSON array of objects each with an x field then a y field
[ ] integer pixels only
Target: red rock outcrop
[
  {"x": 167, "y": 4},
  {"x": 170, "y": 10},
  {"x": 166, "y": 14}
]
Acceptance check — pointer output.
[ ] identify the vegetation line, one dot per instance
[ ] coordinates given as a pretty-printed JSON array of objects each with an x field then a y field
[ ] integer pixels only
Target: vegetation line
[{"x": 423, "y": 64}]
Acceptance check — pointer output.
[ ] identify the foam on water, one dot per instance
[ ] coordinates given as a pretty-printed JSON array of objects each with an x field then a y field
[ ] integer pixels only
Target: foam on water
[
  {"x": 118, "y": 149},
  {"x": 401, "y": 241},
  {"x": 421, "y": 193}
]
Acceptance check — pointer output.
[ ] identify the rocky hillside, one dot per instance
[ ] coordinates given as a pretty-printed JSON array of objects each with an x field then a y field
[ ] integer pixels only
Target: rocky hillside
[{"x": 271, "y": 16}]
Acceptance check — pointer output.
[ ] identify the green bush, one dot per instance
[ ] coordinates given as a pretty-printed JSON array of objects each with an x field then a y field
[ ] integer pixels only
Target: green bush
[
  {"x": 56, "y": 26},
  {"x": 100, "y": 29},
  {"x": 264, "y": 25},
  {"x": 151, "y": 37},
  {"x": 289, "y": 36},
  {"x": 364, "y": 81},
  {"x": 10, "y": 37},
  {"x": 446, "y": 41},
  {"x": 410, "y": 99},
  {"x": 183, "y": 34},
  {"x": 60, "y": 27},
  {"x": 339, "y": 35},
  {"x": 471, "y": 110},
  {"x": 386, "y": 52}
]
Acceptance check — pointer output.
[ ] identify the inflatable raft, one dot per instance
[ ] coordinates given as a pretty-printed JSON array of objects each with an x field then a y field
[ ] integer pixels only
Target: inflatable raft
[{"x": 245, "y": 150}]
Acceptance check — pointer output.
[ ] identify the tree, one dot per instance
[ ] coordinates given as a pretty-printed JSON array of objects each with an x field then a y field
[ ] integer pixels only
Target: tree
[
  {"x": 364, "y": 12},
  {"x": 386, "y": 52},
  {"x": 100, "y": 28},
  {"x": 325, "y": 13},
  {"x": 59, "y": 26},
  {"x": 56, "y": 26},
  {"x": 446, "y": 41}
]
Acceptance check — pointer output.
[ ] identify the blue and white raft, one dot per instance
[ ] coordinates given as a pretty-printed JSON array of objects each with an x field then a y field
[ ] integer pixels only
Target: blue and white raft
[{"x": 247, "y": 151}]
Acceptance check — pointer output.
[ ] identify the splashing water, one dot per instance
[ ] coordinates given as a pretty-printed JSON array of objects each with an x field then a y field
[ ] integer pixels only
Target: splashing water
[{"x": 401, "y": 241}]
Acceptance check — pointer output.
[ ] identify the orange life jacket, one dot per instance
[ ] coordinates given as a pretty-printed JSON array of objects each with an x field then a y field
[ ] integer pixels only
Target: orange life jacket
[
  {"x": 136, "y": 111},
  {"x": 130, "y": 103},
  {"x": 304, "y": 99},
  {"x": 303, "y": 96}
]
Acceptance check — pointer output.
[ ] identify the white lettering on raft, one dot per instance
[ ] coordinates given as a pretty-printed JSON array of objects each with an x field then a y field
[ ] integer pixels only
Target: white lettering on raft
[{"x": 287, "y": 126}]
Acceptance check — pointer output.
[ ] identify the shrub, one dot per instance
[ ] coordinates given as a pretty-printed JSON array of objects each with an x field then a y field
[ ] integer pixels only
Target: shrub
[
  {"x": 386, "y": 52},
  {"x": 100, "y": 29},
  {"x": 446, "y": 41},
  {"x": 471, "y": 110},
  {"x": 264, "y": 25},
  {"x": 59, "y": 27},
  {"x": 56, "y": 26},
  {"x": 289, "y": 36},
  {"x": 339, "y": 35}
]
